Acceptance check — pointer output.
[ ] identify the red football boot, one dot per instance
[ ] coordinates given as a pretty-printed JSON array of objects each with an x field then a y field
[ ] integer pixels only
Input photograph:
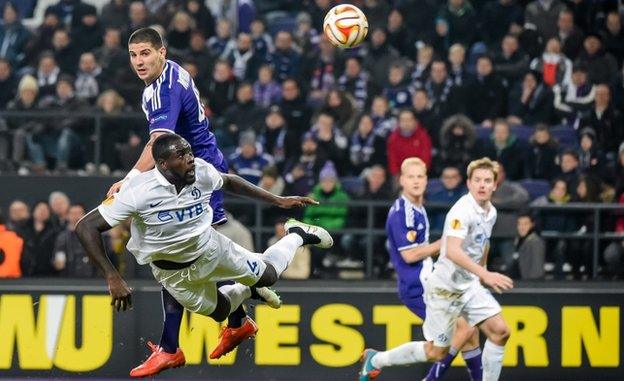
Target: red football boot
[
  {"x": 232, "y": 337},
  {"x": 158, "y": 361}
]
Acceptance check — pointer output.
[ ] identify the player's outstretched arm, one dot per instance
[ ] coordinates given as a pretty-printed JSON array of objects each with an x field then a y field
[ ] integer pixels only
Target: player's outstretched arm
[
  {"x": 239, "y": 186},
  {"x": 89, "y": 231},
  {"x": 455, "y": 253},
  {"x": 419, "y": 253}
]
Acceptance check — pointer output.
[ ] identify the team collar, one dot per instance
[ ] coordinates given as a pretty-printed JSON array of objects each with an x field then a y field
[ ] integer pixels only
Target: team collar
[
  {"x": 161, "y": 179},
  {"x": 478, "y": 207},
  {"x": 411, "y": 204}
]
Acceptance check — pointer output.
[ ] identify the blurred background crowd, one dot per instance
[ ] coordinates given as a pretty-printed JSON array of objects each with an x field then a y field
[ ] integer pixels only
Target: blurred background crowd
[{"x": 535, "y": 84}]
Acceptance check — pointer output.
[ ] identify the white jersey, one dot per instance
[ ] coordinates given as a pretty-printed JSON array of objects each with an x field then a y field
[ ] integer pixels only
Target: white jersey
[
  {"x": 470, "y": 222},
  {"x": 165, "y": 224}
]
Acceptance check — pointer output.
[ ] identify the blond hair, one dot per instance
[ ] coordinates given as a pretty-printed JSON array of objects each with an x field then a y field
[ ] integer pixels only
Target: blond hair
[
  {"x": 412, "y": 161},
  {"x": 483, "y": 163}
]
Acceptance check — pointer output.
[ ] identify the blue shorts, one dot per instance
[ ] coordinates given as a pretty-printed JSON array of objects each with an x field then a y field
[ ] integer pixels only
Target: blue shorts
[
  {"x": 216, "y": 200},
  {"x": 417, "y": 306}
]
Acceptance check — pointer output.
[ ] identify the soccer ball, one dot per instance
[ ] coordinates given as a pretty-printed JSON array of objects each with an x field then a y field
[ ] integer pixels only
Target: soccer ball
[{"x": 345, "y": 26}]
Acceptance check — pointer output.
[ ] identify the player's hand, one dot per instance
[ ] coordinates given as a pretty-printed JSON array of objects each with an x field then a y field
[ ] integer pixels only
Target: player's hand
[
  {"x": 497, "y": 281},
  {"x": 121, "y": 293},
  {"x": 115, "y": 188},
  {"x": 295, "y": 202}
]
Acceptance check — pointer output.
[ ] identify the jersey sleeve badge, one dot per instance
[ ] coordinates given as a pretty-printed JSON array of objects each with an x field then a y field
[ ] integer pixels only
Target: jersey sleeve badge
[
  {"x": 455, "y": 224},
  {"x": 109, "y": 200},
  {"x": 411, "y": 235}
]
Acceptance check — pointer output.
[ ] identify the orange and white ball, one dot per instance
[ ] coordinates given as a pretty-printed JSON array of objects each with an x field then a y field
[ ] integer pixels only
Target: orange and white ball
[{"x": 345, "y": 26}]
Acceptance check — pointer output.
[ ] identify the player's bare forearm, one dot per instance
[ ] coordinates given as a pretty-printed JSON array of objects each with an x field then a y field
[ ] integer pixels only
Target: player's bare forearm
[
  {"x": 146, "y": 160},
  {"x": 456, "y": 254},
  {"x": 89, "y": 231},
  {"x": 241, "y": 187},
  {"x": 421, "y": 252}
]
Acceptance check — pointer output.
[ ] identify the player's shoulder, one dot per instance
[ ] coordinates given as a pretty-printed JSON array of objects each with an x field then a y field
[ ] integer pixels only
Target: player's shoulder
[
  {"x": 397, "y": 210},
  {"x": 462, "y": 207},
  {"x": 177, "y": 76}
]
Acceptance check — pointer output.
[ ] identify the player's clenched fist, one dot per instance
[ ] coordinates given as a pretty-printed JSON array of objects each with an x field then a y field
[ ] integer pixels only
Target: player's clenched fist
[
  {"x": 121, "y": 293},
  {"x": 497, "y": 281}
]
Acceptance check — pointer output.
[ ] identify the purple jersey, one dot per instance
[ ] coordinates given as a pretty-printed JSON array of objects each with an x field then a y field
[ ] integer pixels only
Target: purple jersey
[
  {"x": 407, "y": 226},
  {"x": 171, "y": 104}
]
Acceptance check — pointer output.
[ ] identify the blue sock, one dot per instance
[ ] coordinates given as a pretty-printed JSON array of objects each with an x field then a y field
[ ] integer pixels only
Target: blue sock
[
  {"x": 236, "y": 318},
  {"x": 169, "y": 341},
  {"x": 473, "y": 363},
  {"x": 439, "y": 368}
]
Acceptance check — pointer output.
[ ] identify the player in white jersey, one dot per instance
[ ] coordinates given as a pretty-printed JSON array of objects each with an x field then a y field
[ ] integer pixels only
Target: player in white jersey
[
  {"x": 171, "y": 230},
  {"x": 454, "y": 287}
]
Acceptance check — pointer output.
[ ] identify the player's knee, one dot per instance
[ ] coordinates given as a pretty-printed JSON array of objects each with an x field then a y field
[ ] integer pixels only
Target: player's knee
[
  {"x": 435, "y": 354},
  {"x": 269, "y": 276},
  {"x": 501, "y": 335}
]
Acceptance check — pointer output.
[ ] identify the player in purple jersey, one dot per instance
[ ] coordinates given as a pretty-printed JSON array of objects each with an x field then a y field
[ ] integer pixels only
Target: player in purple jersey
[
  {"x": 171, "y": 104},
  {"x": 407, "y": 227}
]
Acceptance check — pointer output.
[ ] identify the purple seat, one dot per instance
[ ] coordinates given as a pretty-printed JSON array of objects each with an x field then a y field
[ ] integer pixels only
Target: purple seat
[{"x": 536, "y": 187}]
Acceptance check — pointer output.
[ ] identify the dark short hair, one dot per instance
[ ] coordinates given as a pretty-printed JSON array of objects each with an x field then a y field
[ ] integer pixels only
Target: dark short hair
[
  {"x": 161, "y": 148},
  {"x": 150, "y": 35},
  {"x": 571, "y": 152},
  {"x": 527, "y": 214}
]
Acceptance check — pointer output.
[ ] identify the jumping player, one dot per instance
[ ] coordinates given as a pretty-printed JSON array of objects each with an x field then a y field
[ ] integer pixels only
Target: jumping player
[
  {"x": 171, "y": 104},
  {"x": 410, "y": 251},
  {"x": 454, "y": 289},
  {"x": 171, "y": 231}
]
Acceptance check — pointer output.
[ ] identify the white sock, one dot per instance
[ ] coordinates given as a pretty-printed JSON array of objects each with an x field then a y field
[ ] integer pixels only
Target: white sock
[
  {"x": 492, "y": 358},
  {"x": 408, "y": 353},
  {"x": 236, "y": 293},
  {"x": 282, "y": 252}
]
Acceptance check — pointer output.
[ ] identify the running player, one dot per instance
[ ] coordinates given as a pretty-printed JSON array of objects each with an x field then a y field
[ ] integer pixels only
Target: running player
[
  {"x": 171, "y": 231},
  {"x": 171, "y": 104},
  {"x": 453, "y": 289},
  {"x": 410, "y": 251}
]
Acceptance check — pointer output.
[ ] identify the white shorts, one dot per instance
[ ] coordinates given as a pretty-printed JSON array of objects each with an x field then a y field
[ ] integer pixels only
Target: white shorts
[
  {"x": 195, "y": 287},
  {"x": 444, "y": 307}
]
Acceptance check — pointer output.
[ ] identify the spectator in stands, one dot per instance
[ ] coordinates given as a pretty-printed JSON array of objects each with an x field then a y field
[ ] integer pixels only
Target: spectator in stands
[
  {"x": 13, "y": 36},
  {"x": 613, "y": 256},
  {"x": 542, "y": 15},
  {"x": 580, "y": 250},
  {"x": 612, "y": 37},
  {"x": 606, "y": 120},
  {"x": 285, "y": 59},
  {"x": 543, "y": 154},
  {"x": 266, "y": 90},
  {"x": 47, "y": 74},
  {"x": 383, "y": 121},
  {"x": 366, "y": 148},
  {"x": 378, "y": 57},
  {"x": 409, "y": 140},
  {"x": 271, "y": 181},
  {"x": 262, "y": 41},
  {"x": 242, "y": 115},
  {"x": 294, "y": 108},
  {"x": 202, "y": 16},
  {"x": 327, "y": 215},
  {"x": 457, "y": 64},
  {"x": 591, "y": 157},
  {"x": 244, "y": 61},
  {"x": 306, "y": 37},
  {"x": 223, "y": 41},
  {"x": 554, "y": 67},
  {"x": 59, "y": 205},
  {"x": 530, "y": 249},
  {"x": 139, "y": 17},
  {"x": 8, "y": 83},
  {"x": 422, "y": 110},
  {"x": 570, "y": 170},
  {"x": 111, "y": 57},
  {"x": 299, "y": 268},
  {"x": 397, "y": 91},
  {"x": 70, "y": 11},
  {"x": 276, "y": 138},
  {"x": 556, "y": 221},
  {"x": 19, "y": 214},
  {"x": 198, "y": 52},
  {"x": 356, "y": 82},
  {"x": 115, "y": 14},
  {"x": 445, "y": 97},
  {"x": 399, "y": 35},
  {"x": 511, "y": 62},
  {"x": 39, "y": 237},
  {"x": 42, "y": 37},
  {"x": 461, "y": 19},
  {"x": 573, "y": 101},
  {"x": 69, "y": 258},
  {"x": 618, "y": 176},
  {"x": 237, "y": 232},
  {"x": 340, "y": 106},
  {"x": 601, "y": 66},
  {"x": 11, "y": 246},
  {"x": 301, "y": 172},
  {"x": 457, "y": 142},
  {"x": 331, "y": 141},
  {"x": 497, "y": 18},
  {"x": 504, "y": 147},
  {"x": 453, "y": 188},
  {"x": 422, "y": 66},
  {"x": 570, "y": 36},
  {"x": 65, "y": 52},
  {"x": 530, "y": 102},
  {"x": 87, "y": 35},
  {"x": 508, "y": 198},
  {"x": 377, "y": 12},
  {"x": 248, "y": 161},
  {"x": 322, "y": 67},
  {"x": 221, "y": 88},
  {"x": 179, "y": 34},
  {"x": 89, "y": 81},
  {"x": 487, "y": 93}
]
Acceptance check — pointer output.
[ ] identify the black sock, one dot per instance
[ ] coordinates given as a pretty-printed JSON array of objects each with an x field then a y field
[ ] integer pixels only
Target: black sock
[
  {"x": 236, "y": 318},
  {"x": 308, "y": 239},
  {"x": 169, "y": 341}
]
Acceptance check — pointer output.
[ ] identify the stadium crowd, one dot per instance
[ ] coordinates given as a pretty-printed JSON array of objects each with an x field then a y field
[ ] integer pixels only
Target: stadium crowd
[{"x": 536, "y": 85}]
